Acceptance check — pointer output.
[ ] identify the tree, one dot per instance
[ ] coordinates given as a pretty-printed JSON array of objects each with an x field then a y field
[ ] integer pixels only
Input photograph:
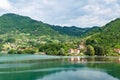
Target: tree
[
  {"x": 12, "y": 51},
  {"x": 1, "y": 40},
  {"x": 90, "y": 50},
  {"x": 54, "y": 48},
  {"x": 27, "y": 51},
  {"x": 1, "y": 46},
  {"x": 61, "y": 51},
  {"x": 99, "y": 50},
  {"x": 10, "y": 40},
  {"x": 91, "y": 42}
]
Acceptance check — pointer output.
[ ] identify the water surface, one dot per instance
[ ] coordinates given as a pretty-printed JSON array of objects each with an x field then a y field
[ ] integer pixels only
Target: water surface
[{"x": 43, "y": 67}]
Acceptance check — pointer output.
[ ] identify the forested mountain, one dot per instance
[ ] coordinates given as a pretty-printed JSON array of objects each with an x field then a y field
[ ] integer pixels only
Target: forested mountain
[
  {"x": 18, "y": 32},
  {"x": 110, "y": 34},
  {"x": 108, "y": 37},
  {"x": 21, "y": 34},
  {"x": 72, "y": 31},
  {"x": 13, "y": 22}
]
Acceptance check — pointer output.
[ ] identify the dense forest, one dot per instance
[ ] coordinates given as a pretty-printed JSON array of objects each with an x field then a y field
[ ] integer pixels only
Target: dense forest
[
  {"x": 13, "y": 22},
  {"x": 21, "y": 34},
  {"x": 108, "y": 37}
]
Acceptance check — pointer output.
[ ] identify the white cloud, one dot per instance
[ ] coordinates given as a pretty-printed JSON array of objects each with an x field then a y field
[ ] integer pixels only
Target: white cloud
[
  {"x": 83, "y": 13},
  {"x": 110, "y": 1},
  {"x": 5, "y": 4}
]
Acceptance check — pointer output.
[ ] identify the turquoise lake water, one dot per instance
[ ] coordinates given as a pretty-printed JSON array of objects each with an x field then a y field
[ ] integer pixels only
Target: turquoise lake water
[{"x": 43, "y": 67}]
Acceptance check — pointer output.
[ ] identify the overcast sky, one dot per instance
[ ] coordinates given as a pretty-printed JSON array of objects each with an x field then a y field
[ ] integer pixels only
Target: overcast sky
[{"x": 81, "y": 13}]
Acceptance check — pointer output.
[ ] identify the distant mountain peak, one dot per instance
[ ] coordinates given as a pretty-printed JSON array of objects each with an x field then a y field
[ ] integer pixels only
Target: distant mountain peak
[
  {"x": 10, "y": 14},
  {"x": 13, "y": 15}
]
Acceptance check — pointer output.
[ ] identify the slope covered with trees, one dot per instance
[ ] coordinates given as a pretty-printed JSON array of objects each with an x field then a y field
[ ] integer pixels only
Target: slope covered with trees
[
  {"x": 13, "y": 22},
  {"x": 108, "y": 37},
  {"x": 21, "y": 34}
]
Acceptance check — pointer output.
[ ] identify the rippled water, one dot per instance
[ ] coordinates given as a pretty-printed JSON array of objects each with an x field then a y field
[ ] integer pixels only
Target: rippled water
[{"x": 43, "y": 67}]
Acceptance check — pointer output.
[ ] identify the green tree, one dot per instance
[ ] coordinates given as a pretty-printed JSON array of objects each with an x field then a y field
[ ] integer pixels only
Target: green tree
[
  {"x": 1, "y": 40},
  {"x": 99, "y": 50},
  {"x": 1, "y": 46},
  {"x": 12, "y": 51},
  {"x": 90, "y": 50},
  {"x": 10, "y": 40},
  {"x": 54, "y": 48},
  {"x": 61, "y": 51},
  {"x": 91, "y": 42}
]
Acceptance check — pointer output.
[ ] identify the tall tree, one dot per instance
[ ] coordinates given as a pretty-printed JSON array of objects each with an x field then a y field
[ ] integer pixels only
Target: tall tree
[{"x": 90, "y": 50}]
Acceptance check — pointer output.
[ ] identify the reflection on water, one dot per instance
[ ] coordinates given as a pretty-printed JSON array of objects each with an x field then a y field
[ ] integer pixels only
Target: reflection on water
[
  {"x": 41, "y": 67},
  {"x": 16, "y": 65},
  {"x": 22, "y": 57},
  {"x": 82, "y": 74},
  {"x": 77, "y": 59}
]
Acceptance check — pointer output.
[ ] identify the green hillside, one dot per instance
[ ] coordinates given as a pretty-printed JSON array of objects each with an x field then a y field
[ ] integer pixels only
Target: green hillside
[
  {"x": 72, "y": 31},
  {"x": 109, "y": 36},
  {"x": 13, "y": 22},
  {"x": 19, "y": 33},
  {"x": 23, "y": 24}
]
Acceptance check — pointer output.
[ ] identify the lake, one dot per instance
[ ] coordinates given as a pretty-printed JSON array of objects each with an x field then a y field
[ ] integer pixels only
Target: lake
[{"x": 43, "y": 67}]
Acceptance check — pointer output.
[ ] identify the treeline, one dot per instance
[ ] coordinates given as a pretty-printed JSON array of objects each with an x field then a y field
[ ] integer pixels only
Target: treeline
[
  {"x": 108, "y": 39},
  {"x": 25, "y": 51},
  {"x": 93, "y": 48},
  {"x": 48, "y": 49},
  {"x": 56, "y": 48}
]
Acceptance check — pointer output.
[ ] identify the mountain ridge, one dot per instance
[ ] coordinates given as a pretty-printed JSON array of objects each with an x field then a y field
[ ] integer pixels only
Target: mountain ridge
[{"x": 23, "y": 24}]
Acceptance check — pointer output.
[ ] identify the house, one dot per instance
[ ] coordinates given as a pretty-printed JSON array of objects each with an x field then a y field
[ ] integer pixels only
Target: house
[
  {"x": 40, "y": 53},
  {"x": 9, "y": 46},
  {"x": 73, "y": 51},
  {"x": 117, "y": 50},
  {"x": 77, "y": 51},
  {"x": 81, "y": 47}
]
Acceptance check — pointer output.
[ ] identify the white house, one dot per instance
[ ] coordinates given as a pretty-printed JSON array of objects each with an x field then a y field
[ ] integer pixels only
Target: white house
[{"x": 73, "y": 51}]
